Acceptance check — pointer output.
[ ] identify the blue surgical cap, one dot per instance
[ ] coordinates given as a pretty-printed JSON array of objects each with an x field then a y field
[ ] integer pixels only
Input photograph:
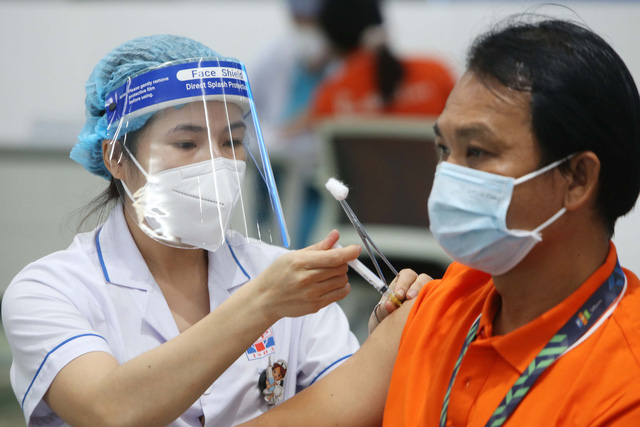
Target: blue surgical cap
[{"x": 111, "y": 72}]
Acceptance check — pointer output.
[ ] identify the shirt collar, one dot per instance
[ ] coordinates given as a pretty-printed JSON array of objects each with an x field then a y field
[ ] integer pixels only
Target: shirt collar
[
  {"x": 519, "y": 347},
  {"x": 121, "y": 260},
  {"x": 123, "y": 264}
]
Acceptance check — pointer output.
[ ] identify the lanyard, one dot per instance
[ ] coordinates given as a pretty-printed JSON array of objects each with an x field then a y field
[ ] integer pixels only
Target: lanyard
[{"x": 577, "y": 329}]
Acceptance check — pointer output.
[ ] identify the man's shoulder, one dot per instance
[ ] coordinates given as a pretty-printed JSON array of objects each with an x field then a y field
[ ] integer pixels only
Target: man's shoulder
[
  {"x": 461, "y": 289},
  {"x": 627, "y": 316},
  {"x": 459, "y": 280}
]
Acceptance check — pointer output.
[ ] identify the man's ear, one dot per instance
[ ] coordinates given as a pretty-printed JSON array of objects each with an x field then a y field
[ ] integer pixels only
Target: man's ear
[
  {"x": 583, "y": 175},
  {"x": 112, "y": 158}
]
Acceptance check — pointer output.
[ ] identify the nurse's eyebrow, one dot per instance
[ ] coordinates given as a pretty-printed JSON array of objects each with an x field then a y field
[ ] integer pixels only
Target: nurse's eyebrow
[
  {"x": 188, "y": 127},
  {"x": 237, "y": 125}
]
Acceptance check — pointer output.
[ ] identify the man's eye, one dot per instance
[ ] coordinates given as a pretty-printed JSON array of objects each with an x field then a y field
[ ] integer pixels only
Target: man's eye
[
  {"x": 442, "y": 151},
  {"x": 475, "y": 152}
]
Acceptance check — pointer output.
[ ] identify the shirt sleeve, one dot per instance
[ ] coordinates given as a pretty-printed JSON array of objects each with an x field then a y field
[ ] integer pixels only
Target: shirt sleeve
[
  {"x": 46, "y": 330},
  {"x": 325, "y": 342}
]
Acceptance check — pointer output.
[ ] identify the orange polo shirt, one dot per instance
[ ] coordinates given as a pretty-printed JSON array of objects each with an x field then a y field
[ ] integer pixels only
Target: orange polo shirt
[
  {"x": 352, "y": 90},
  {"x": 596, "y": 383}
]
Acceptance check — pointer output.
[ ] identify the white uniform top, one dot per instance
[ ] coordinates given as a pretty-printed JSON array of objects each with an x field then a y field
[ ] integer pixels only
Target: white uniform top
[{"x": 98, "y": 295}]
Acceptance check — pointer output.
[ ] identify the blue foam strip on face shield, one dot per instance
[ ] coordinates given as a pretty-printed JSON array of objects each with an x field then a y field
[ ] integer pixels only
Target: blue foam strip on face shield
[{"x": 176, "y": 84}]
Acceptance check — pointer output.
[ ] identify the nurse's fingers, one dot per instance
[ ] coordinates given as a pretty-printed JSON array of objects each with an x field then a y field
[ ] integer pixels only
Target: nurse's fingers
[
  {"x": 312, "y": 259},
  {"x": 406, "y": 286},
  {"x": 402, "y": 282},
  {"x": 329, "y": 244},
  {"x": 326, "y": 243},
  {"x": 312, "y": 296},
  {"x": 417, "y": 285},
  {"x": 408, "y": 283},
  {"x": 333, "y": 290},
  {"x": 312, "y": 277}
]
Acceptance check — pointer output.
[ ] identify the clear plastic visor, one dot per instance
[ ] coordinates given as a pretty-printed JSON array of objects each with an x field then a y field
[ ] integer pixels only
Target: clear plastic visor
[{"x": 192, "y": 168}]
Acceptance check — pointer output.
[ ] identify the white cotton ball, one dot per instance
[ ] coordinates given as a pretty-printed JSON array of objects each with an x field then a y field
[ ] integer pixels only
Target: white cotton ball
[{"x": 337, "y": 189}]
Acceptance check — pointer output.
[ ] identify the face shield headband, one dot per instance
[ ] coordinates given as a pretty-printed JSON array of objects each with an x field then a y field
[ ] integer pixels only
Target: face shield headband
[{"x": 199, "y": 80}]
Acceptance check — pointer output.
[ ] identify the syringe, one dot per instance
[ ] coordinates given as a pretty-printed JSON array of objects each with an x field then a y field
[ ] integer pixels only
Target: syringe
[{"x": 372, "y": 279}]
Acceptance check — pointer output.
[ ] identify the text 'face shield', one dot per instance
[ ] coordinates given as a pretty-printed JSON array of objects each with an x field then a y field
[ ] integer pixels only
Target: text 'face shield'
[{"x": 187, "y": 149}]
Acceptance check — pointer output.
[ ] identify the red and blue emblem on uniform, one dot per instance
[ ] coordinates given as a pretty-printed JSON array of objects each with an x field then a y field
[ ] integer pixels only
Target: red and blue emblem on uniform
[{"x": 264, "y": 346}]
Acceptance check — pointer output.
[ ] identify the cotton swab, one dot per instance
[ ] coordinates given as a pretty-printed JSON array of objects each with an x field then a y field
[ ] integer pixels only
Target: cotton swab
[{"x": 340, "y": 192}]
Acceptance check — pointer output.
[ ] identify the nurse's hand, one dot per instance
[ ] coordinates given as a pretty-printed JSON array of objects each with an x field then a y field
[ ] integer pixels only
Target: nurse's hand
[
  {"x": 406, "y": 286},
  {"x": 304, "y": 281}
]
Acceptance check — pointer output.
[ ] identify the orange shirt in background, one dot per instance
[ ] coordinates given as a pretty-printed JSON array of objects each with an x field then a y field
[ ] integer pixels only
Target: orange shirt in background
[
  {"x": 595, "y": 384},
  {"x": 352, "y": 90}
]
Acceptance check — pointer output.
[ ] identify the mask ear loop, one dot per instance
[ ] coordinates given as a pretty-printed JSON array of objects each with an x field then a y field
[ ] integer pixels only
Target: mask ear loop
[
  {"x": 135, "y": 162},
  {"x": 140, "y": 168},
  {"x": 527, "y": 177},
  {"x": 548, "y": 222},
  {"x": 539, "y": 172}
]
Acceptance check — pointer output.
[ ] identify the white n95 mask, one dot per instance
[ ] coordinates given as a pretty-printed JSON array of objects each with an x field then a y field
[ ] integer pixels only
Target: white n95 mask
[
  {"x": 467, "y": 215},
  {"x": 310, "y": 46},
  {"x": 190, "y": 206}
]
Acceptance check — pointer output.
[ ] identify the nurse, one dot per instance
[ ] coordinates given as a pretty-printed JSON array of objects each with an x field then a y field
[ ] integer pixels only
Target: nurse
[{"x": 169, "y": 312}]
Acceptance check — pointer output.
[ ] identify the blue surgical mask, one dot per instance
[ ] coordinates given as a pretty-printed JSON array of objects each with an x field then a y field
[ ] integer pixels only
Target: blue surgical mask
[{"x": 468, "y": 211}]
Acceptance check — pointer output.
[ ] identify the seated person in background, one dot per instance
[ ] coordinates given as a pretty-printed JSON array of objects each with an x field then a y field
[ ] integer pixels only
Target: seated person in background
[
  {"x": 371, "y": 80},
  {"x": 536, "y": 324},
  {"x": 368, "y": 80}
]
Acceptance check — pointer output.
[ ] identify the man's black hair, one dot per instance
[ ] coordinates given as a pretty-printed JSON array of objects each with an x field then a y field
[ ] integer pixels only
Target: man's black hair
[{"x": 583, "y": 98}]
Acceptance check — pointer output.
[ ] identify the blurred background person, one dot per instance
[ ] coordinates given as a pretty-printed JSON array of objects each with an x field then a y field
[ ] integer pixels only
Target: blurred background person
[
  {"x": 285, "y": 77},
  {"x": 372, "y": 80},
  {"x": 366, "y": 79},
  {"x": 288, "y": 70}
]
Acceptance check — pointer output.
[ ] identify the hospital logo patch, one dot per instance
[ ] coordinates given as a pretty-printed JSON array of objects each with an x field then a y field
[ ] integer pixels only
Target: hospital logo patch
[{"x": 264, "y": 346}]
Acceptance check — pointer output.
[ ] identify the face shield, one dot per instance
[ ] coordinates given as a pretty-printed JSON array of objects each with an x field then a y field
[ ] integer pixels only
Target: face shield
[{"x": 186, "y": 147}]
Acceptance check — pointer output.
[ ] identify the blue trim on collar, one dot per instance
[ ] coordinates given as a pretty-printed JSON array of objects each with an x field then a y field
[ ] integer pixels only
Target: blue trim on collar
[
  {"x": 104, "y": 267},
  {"x": 238, "y": 262},
  {"x": 329, "y": 367},
  {"x": 47, "y": 356}
]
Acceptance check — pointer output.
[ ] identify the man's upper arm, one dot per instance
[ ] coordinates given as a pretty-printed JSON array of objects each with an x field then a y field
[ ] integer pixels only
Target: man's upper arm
[{"x": 355, "y": 392}]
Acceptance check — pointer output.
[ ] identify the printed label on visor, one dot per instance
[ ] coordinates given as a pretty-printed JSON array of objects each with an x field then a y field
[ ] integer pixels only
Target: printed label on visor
[{"x": 174, "y": 83}]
